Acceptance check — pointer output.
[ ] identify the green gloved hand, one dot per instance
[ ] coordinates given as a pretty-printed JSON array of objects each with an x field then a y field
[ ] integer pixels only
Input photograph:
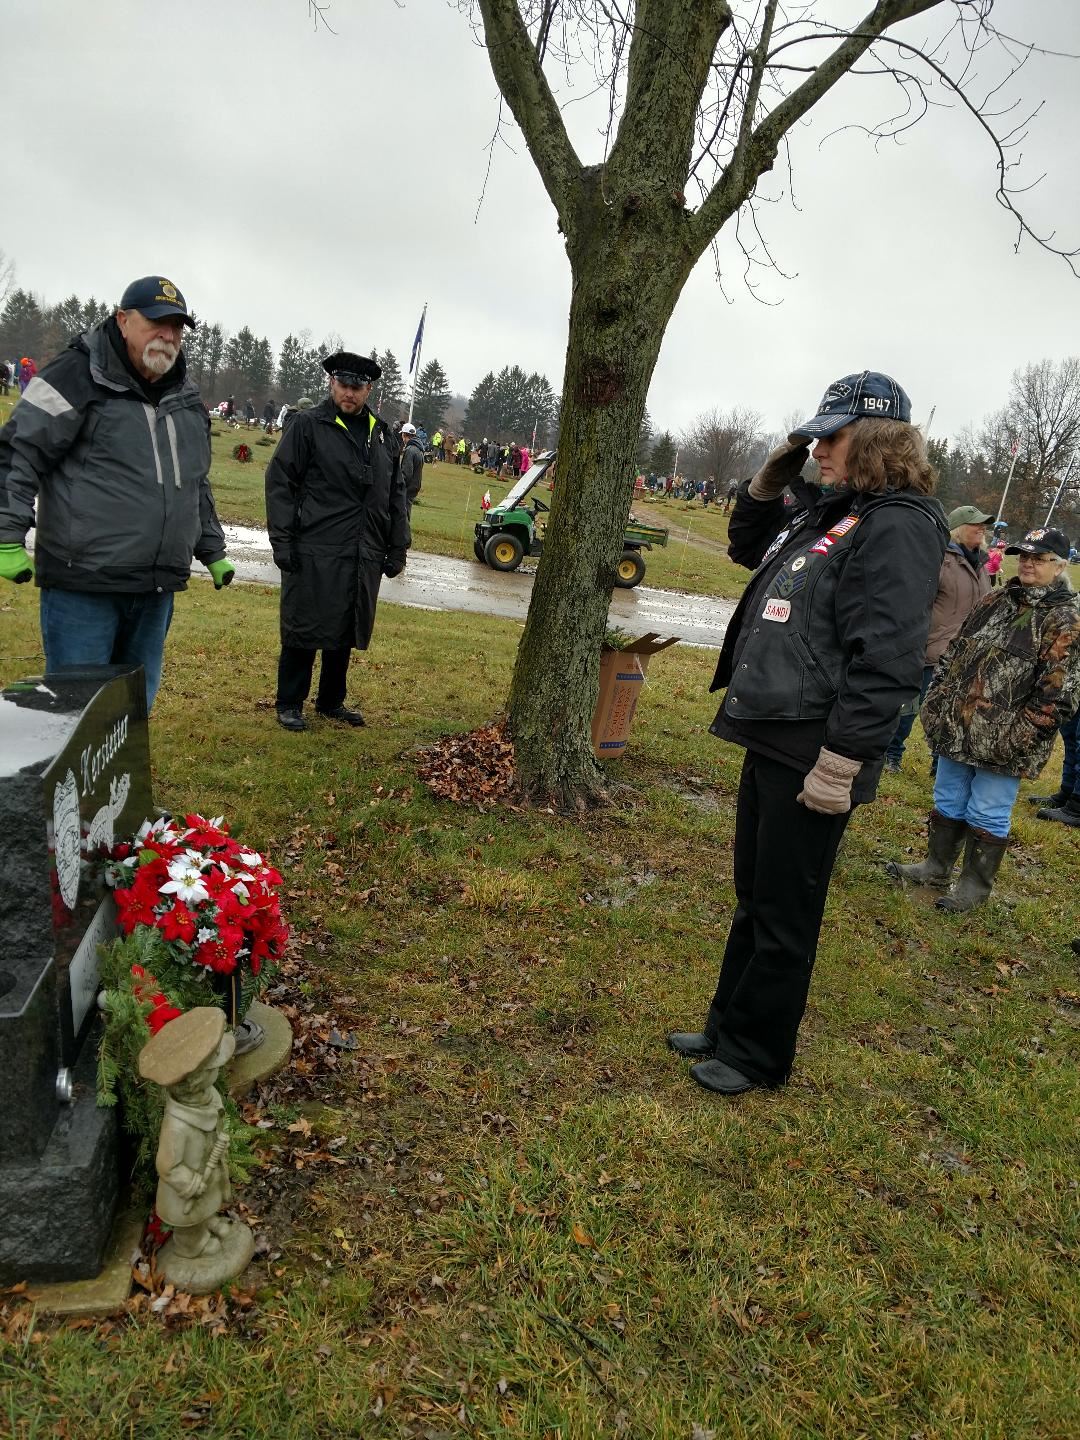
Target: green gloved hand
[
  {"x": 222, "y": 571},
  {"x": 15, "y": 564}
]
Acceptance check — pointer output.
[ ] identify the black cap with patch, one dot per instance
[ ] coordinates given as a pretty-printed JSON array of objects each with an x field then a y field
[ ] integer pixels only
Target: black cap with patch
[
  {"x": 352, "y": 369},
  {"x": 1042, "y": 542},
  {"x": 155, "y": 298}
]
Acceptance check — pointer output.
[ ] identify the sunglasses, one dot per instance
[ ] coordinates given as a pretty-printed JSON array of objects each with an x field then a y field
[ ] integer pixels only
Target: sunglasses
[{"x": 353, "y": 382}]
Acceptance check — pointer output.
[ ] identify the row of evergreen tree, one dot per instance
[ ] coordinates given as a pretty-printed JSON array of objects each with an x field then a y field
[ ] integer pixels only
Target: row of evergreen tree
[
  {"x": 512, "y": 406},
  {"x": 509, "y": 405},
  {"x": 245, "y": 366}
]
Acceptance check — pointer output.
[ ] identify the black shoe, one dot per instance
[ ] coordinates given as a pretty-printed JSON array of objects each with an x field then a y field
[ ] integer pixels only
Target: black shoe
[
  {"x": 1067, "y": 814},
  {"x": 342, "y": 713},
  {"x": 722, "y": 1079},
  {"x": 892, "y": 765},
  {"x": 692, "y": 1042},
  {"x": 1048, "y": 802},
  {"x": 290, "y": 718},
  {"x": 1076, "y": 945}
]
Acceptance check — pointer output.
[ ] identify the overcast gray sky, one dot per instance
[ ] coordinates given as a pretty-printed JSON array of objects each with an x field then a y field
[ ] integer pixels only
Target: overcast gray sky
[{"x": 286, "y": 178}]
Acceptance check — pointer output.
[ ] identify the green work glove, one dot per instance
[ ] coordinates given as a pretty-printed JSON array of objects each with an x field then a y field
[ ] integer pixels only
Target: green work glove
[
  {"x": 15, "y": 564},
  {"x": 222, "y": 571}
]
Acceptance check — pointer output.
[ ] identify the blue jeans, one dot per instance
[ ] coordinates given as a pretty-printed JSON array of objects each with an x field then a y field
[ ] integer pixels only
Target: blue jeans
[
  {"x": 895, "y": 748},
  {"x": 82, "y": 628},
  {"x": 981, "y": 798}
]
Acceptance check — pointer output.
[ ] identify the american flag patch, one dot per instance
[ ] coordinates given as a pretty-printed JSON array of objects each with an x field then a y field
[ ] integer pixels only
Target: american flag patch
[{"x": 848, "y": 523}]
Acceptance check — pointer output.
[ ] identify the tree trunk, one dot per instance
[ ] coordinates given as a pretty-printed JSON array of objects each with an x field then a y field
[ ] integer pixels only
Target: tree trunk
[{"x": 628, "y": 271}]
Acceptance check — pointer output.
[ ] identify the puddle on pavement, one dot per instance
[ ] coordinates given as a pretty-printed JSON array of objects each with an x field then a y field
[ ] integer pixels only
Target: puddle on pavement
[{"x": 440, "y": 582}]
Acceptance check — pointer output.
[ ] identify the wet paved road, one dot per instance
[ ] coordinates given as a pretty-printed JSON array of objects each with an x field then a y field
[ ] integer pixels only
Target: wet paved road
[{"x": 437, "y": 582}]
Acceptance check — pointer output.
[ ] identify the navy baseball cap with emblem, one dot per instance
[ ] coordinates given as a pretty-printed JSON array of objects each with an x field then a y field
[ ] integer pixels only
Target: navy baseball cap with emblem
[
  {"x": 352, "y": 369},
  {"x": 869, "y": 395},
  {"x": 1042, "y": 542},
  {"x": 155, "y": 298}
]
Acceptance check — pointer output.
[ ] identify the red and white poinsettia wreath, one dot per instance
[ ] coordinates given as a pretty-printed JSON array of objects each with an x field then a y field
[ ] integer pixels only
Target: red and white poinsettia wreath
[{"x": 213, "y": 900}]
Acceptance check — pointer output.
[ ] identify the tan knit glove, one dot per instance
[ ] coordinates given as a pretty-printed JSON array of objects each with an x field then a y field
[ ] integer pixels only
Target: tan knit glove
[
  {"x": 782, "y": 466},
  {"x": 827, "y": 788}
]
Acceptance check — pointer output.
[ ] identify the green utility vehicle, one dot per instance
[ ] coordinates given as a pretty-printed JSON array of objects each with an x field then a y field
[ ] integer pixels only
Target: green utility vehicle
[{"x": 508, "y": 532}]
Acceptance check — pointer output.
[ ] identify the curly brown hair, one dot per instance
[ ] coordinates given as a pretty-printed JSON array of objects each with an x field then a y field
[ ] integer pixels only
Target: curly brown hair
[{"x": 888, "y": 454}]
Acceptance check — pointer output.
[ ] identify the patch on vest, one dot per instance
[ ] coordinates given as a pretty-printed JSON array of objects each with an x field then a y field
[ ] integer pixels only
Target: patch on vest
[
  {"x": 786, "y": 583},
  {"x": 843, "y": 526},
  {"x": 779, "y": 610}
]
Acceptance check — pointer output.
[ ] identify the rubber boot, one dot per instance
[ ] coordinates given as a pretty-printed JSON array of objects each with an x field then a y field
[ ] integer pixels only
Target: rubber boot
[
  {"x": 699, "y": 1044},
  {"x": 945, "y": 841},
  {"x": 982, "y": 861},
  {"x": 1067, "y": 814}
]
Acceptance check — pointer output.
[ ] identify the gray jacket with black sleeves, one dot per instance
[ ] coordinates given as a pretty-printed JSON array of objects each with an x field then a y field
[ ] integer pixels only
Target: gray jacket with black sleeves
[
  {"x": 122, "y": 485},
  {"x": 826, "y": 645}
]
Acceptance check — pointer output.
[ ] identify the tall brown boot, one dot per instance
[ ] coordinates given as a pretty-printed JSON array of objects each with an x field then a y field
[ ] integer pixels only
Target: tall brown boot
[
  {"x": 982, "y": 861},
  {"x": 945, "y": 841}
]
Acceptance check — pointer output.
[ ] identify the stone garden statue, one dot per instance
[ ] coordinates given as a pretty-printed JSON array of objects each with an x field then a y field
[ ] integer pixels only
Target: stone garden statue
[{"x": 206, "y": 1249}]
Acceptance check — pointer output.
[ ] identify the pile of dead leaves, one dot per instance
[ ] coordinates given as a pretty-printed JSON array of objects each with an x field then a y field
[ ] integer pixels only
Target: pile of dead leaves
[
  {"x": 176, "y": 1309},
  {"x": 473, "y": 769}
]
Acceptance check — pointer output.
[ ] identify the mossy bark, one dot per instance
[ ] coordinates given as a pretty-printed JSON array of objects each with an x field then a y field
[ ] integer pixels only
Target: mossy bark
[
  {"x": 628, "y": 272},
  {"x": 632, "y": 243}
]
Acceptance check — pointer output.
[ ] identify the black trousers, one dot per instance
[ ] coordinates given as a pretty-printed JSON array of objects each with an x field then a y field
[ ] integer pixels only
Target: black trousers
[
  {"x": 784, "y": 855},
  {"x": 294, "y": 677}
]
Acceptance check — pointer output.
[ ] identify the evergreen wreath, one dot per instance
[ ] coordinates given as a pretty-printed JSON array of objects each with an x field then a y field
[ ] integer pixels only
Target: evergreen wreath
[{"x": 145, "y": 988}]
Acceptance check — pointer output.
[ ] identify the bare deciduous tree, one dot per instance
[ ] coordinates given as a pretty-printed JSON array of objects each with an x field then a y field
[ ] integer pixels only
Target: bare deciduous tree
[
  {"x": 701, "y": 95},
  {"x": 7, "y": 277},
  {"x": 1041, "y": 419},
  {"x": 721, "y": 443}
]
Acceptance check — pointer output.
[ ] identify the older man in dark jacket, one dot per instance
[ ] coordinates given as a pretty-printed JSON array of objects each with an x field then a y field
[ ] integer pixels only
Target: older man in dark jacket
[
  {"x": 113, "y": 441},
  {"x": 412, "y": 464},
  {"x": 337, "y": 517}
]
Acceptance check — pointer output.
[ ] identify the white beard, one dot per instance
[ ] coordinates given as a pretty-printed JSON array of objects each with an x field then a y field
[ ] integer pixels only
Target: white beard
[{"x": 159, "y": 357}]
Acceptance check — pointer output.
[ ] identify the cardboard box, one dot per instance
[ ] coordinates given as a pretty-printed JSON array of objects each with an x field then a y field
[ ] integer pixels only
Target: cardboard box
[{"x": 622, "y": 674}]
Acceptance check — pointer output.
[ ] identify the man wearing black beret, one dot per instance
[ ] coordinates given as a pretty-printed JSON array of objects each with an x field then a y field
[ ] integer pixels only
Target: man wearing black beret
[{"x": 338, "y": 522}]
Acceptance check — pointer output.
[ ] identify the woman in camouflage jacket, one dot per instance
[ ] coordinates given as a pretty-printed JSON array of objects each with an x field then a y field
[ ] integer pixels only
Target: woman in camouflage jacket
[{"x": 1007, "y": 681}]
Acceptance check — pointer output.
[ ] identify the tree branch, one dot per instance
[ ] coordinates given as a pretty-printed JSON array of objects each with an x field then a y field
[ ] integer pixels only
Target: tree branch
[
  {"x": 756, "y": 149},
  {"x": 518, "y": 72},
  {"x": 671, "y": 48}
]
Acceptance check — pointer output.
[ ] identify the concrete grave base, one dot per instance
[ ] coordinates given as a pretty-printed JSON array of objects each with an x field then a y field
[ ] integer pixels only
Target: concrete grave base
[{"x": 105, "y": 1293}]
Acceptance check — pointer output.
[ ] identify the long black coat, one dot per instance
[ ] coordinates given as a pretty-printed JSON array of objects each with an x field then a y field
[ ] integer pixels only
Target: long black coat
[{"x": 336, "y": 514}]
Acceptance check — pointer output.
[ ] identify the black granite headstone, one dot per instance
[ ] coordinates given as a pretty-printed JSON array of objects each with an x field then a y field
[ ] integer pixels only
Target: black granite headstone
[{"x": 74, "y": 779}]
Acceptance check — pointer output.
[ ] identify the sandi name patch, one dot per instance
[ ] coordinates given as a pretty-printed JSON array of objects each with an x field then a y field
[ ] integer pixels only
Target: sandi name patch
[{"x": 777, "y": 610}]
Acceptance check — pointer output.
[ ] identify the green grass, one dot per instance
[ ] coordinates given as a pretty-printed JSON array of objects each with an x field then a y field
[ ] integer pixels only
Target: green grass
[
  {"x": 442, "y": 523},
  {"x": 543, "y": 1229}
]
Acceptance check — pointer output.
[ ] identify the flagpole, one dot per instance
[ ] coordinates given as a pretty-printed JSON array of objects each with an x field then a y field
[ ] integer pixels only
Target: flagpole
[
  {"x": 1057, "y": 497},
  {"x": 1008, "y": 482},
  {"x": 416, "y": 362}
]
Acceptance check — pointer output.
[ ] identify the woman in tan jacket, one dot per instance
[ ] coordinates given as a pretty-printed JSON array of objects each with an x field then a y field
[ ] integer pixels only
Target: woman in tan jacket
[{"x": 962, "y": 584}]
